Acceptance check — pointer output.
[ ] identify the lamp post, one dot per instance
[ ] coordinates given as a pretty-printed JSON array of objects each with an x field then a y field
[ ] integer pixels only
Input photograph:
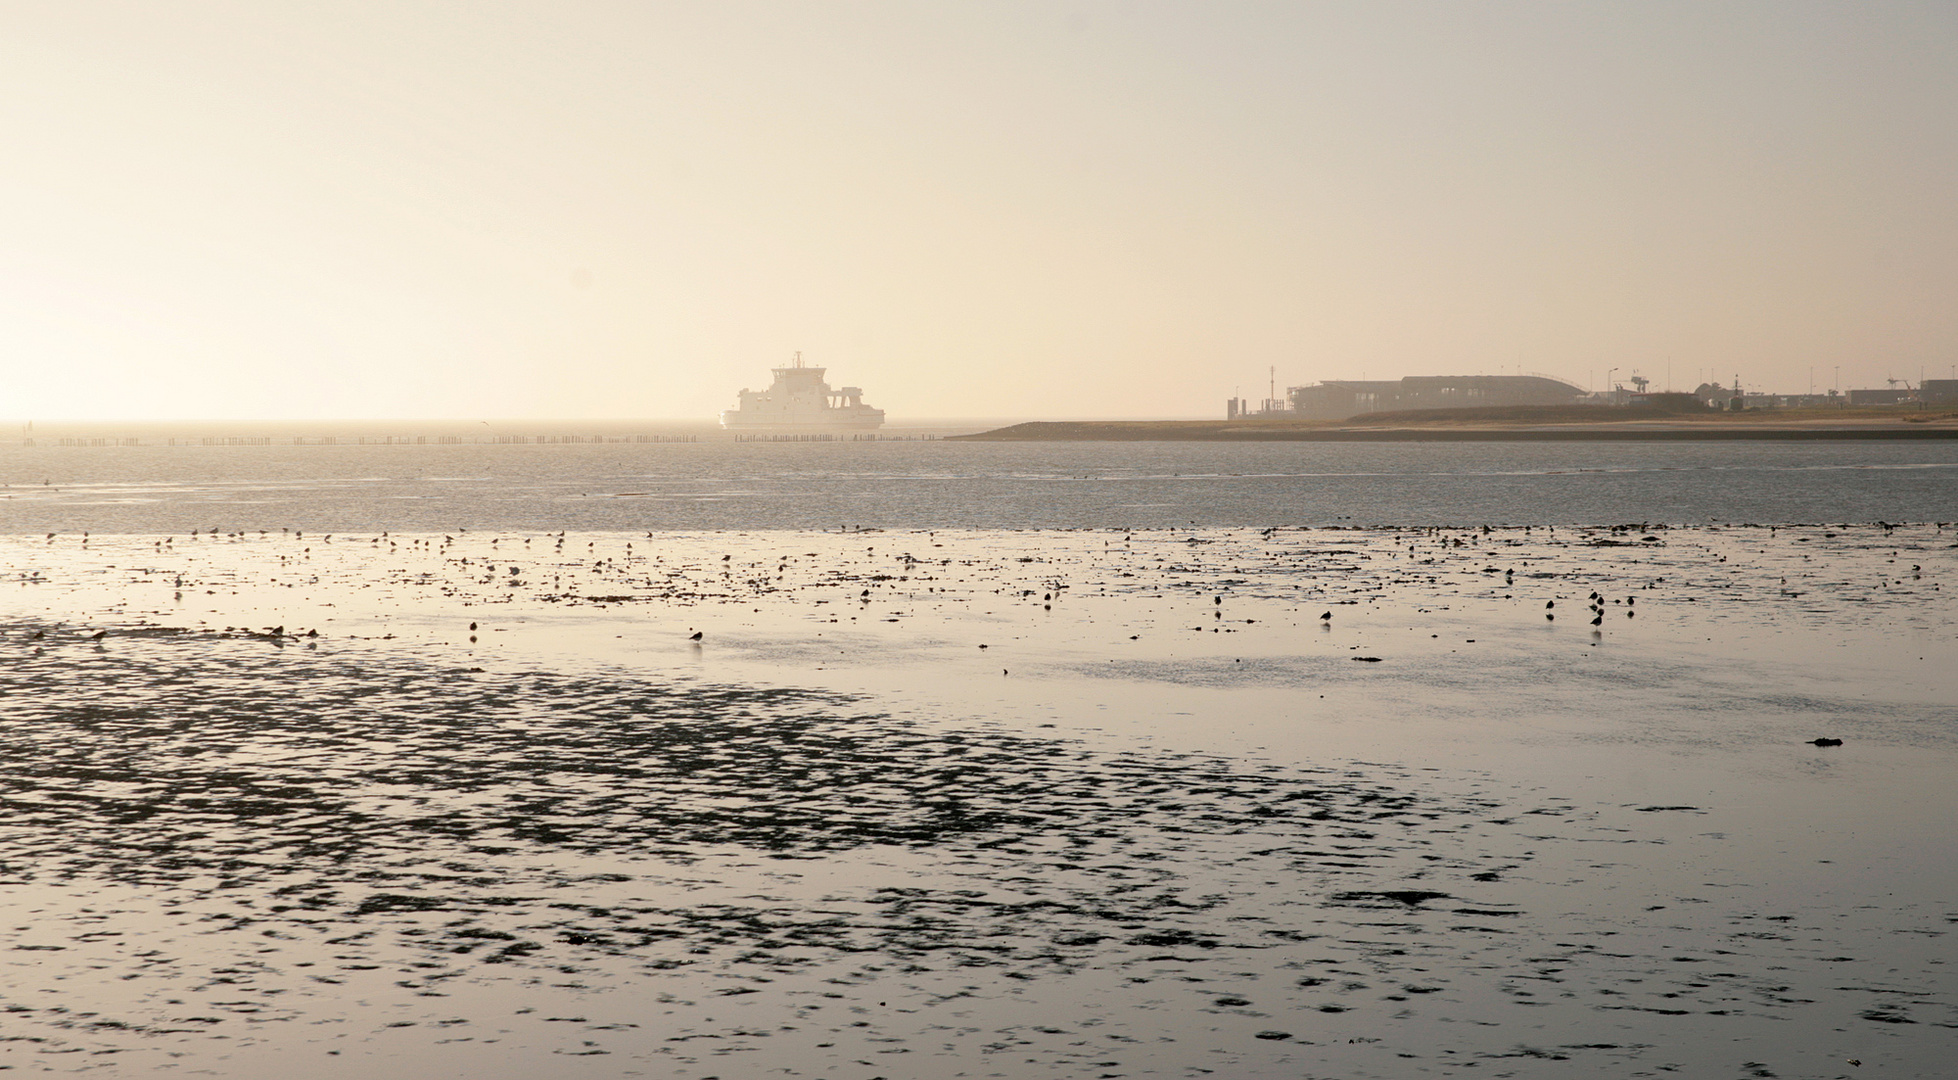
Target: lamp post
[{"x": 1610, "y": 386}]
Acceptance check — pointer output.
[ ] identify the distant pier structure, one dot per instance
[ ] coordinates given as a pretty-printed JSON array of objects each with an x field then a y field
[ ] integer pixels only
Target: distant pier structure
[{"x": 1273, "y": 405}]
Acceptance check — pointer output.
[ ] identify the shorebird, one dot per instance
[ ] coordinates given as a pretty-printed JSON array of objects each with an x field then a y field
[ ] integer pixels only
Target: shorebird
[
  {"x": 696, "y": 635},
  {"x": 1327, "y": 617}
]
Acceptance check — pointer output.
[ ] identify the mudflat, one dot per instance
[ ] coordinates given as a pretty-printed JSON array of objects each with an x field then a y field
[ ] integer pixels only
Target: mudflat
[{"x": 1259, "y": 803}]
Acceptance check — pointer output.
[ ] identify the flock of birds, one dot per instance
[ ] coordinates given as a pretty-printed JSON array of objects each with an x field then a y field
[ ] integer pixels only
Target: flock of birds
[
  {"x": 1173, "y": 555},
  {"x": 1596, "y": 607}
]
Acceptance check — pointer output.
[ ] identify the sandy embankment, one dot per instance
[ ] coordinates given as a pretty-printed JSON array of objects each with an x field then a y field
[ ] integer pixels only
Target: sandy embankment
[{"x": 1546, "y": 424}]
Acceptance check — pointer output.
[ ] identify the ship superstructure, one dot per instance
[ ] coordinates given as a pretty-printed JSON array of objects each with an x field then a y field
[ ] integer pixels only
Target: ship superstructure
[{"x": 799, "y": 400}]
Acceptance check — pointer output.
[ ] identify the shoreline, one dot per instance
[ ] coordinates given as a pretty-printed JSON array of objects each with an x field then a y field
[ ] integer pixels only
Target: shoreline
[{"x": 1223, "y": 431}]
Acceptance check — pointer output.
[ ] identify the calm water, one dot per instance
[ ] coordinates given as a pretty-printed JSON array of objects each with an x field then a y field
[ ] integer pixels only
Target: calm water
[{"x": 720, "y": 485}]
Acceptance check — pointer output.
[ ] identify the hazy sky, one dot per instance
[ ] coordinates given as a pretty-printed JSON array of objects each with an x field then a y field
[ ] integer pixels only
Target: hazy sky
[{"x": 470, "y": 209}]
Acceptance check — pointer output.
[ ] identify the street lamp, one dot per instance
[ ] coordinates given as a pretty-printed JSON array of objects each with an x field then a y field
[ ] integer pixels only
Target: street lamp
[{"x": 1610, "y": 386}]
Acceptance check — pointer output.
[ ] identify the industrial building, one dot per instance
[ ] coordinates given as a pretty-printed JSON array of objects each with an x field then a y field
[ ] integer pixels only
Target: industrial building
[
  {"x": 1339, "y": 399},
  {"x": 1890, "y": 396},
  {"x": 1927, "y": 392}
]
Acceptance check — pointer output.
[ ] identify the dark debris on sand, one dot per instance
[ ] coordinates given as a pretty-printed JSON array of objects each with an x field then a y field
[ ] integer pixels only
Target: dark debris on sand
[
  {"x": 434, "y": 825},
  {"x": 345, "y": 791}
]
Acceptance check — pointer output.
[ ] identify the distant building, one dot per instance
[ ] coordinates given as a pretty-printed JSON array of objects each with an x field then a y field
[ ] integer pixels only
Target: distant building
[
  {"x": 1941, "y": 391},
  {"x": 1881, "y": 397},
  {"x": 1336, "y": 400},
  {"x": 1340, "y": 399},
  {"x": 1665, "y": 401},
  {"x": 1801, "y": 401},
  {"x": 1272, "y": 407}
]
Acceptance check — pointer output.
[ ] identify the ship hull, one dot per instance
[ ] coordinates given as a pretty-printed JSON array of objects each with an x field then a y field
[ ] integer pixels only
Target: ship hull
[{"x": 732, "y": 420}]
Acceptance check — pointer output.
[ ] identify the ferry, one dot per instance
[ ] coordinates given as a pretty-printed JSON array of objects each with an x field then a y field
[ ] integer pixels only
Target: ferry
[{"x": 799, "y": 400}]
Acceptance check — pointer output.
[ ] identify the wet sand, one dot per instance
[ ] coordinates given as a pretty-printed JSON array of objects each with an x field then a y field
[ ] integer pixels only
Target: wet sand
[{"x": 981, "y": 803}]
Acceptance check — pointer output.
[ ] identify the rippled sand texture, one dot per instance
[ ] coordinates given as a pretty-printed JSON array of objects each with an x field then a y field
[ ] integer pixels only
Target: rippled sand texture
[{"x": 293, "y": 813}]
